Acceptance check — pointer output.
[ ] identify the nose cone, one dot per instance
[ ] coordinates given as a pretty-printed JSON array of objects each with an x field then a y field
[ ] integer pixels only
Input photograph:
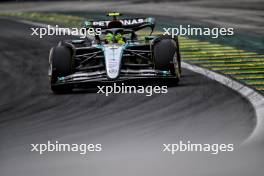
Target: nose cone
[{"x": 113, "y": 55}]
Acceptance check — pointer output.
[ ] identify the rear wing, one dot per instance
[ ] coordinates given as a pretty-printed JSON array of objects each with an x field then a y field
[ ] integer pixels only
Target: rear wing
[{"x": 133, "y": 23}]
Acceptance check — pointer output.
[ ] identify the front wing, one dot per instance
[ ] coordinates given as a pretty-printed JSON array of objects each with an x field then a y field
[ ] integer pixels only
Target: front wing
[{"x": 100, "y": 77}]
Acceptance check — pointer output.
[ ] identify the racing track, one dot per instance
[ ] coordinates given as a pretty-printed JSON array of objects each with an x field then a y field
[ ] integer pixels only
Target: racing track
[{"x": 132, "y": 128}]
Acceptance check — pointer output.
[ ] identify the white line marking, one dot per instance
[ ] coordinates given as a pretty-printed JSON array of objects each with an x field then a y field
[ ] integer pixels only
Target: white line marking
[{"x": 255, "y": 98}]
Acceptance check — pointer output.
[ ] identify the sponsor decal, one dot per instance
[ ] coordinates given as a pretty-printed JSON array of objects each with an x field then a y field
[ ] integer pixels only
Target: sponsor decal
[{"x": 125, "y": 22}]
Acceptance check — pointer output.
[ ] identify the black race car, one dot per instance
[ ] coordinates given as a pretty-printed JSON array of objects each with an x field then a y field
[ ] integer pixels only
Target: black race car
[{"x": 122, "y": 52}]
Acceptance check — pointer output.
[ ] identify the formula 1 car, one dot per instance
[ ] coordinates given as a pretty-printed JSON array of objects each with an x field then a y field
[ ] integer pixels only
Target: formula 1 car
[{"x": 119, "y": 53}]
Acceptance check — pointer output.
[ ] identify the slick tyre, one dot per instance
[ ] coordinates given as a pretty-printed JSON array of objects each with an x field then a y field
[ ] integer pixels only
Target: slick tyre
[
  {"x": 166, "y": 55},
  {"x": 61, "y": 65}
]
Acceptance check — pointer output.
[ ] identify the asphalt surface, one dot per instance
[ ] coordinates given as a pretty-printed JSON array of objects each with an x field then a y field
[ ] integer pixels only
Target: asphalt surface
[
  {"x": 131, "y": 128},
  {"x": 243, "y": 15}
]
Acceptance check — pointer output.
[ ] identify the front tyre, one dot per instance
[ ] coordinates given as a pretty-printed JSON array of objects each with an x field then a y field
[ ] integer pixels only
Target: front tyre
[
  {"x": 60, "y": 65},
  {"x": 167, "y": 55}
]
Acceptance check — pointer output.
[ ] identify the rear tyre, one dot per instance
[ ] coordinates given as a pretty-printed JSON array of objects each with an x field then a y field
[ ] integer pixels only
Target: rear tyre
[{"x": 61, "y": 64}]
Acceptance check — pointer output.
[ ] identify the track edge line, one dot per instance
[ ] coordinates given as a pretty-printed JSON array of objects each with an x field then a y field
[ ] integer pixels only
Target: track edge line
[{"x": 255, "y": 98}]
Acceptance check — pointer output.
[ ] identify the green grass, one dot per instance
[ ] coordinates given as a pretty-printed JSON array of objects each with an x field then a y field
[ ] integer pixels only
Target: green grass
[
  {"x": 50, "y": 18},
  {"x": 246, "y": 67}
]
